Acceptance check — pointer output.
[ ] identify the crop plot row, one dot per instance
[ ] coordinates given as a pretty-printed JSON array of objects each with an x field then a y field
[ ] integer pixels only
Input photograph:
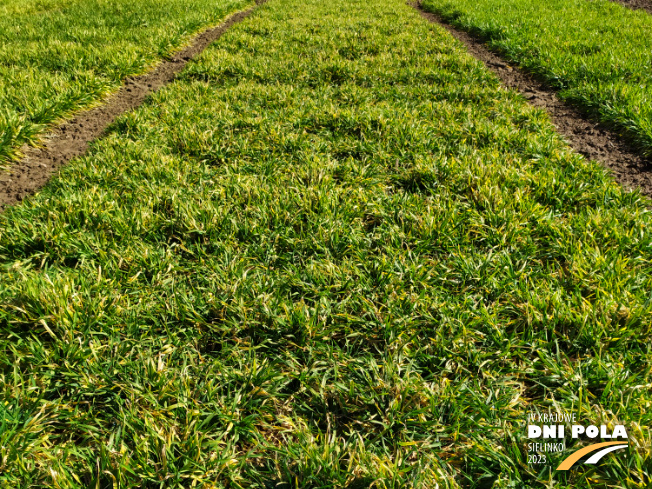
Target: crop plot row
[
  {"x": 584, "y": 134},
  {"x": 598, "y": 53},
  {"x": 57, "y": 56},
  {"x": 333, "y": 253}
]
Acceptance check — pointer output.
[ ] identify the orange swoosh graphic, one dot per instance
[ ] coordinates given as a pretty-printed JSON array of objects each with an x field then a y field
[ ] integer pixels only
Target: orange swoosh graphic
[{"x": 574, "y": 457}]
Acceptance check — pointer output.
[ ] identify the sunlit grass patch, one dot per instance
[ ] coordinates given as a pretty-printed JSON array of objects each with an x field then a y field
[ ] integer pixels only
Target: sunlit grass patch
[
  {"x": 59, "y": 56},
  {"x": 596, "y": 53}
]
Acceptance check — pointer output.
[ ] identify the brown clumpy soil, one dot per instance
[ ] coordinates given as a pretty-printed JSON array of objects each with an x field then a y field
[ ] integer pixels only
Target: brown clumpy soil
[
  {"x": 637, "y": 4},
  {"x": 589, "y": 138},
  {"x": 71, "y": 139}
]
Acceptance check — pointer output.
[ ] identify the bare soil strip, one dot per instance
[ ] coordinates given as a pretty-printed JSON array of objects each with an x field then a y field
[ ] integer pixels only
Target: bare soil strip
[
  {"x": 637, "y": 4},
  {"x": 589, "y": 138},
  {"x": 71, "y": 139}
]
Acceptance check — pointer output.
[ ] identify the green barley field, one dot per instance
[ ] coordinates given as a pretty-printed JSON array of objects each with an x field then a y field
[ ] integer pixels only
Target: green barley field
[
  {"x": 334, "y": 253},
  {"x": 597, "y": 53},
  {"x": 57, "y": 56}
]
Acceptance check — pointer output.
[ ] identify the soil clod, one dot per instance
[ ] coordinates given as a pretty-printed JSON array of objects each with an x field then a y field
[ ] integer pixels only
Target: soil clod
[{"x": 637, "y": 4}]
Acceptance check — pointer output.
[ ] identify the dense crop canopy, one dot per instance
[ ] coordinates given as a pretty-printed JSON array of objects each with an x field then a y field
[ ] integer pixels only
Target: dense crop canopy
[{"x": 334, "y": 252}]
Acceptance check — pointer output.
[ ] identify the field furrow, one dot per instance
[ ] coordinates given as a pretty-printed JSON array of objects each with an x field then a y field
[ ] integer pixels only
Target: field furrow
[
  {"x": 597, "y": 54},
  {"x": 72, "y": 137},
  {"x": 637, "y": 4},
  {"x": 59, "y": 56},
  {"x": 591, "y": 138},
  {"x": 334, "y": 253}
]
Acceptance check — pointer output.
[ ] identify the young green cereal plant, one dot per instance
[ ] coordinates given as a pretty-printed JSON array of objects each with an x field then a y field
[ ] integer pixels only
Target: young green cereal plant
[{"x": 334, "y": 253}]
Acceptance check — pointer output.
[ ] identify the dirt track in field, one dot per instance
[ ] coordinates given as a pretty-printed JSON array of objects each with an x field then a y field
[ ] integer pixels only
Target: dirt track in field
[
  {"x": 637, "y": 4},
  {"x": 71, "y": 139},
  {"x": 589, "y": 138}
]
